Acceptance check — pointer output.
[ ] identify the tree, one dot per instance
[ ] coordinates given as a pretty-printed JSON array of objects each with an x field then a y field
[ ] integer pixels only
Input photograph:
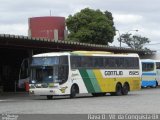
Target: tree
[
  {"x": 135, "y": 41},
  {"x": 91, "y": 26}
]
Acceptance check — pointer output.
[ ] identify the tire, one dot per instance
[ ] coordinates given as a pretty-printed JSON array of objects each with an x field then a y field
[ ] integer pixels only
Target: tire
[
  {"x": 125, "y": 89},
  {"x": 49, "y": 97},
  {"x": 73, "y": 92},
  {"x": 155, "y": 85},
  {"x": 118, "y": 91}
]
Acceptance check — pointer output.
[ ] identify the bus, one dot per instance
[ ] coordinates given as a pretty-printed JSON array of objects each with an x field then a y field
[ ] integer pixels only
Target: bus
[
  {"x": 158, "y": 72},
  {"x": 76, "y": 72},
  {"x": 149, "y": 73}
]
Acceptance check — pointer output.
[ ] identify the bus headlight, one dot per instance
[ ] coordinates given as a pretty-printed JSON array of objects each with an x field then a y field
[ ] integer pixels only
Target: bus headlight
[{"x": 31, "y": 92}]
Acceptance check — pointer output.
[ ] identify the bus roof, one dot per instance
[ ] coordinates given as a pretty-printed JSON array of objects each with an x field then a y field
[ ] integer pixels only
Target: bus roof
[
  {"x": 102, "y": 53},
  {"x": 85, "y": 53},
  {"x": 51, "y": 54},
  {"x": 147, "y": 60},
  {"x": 157, "y": 60}
]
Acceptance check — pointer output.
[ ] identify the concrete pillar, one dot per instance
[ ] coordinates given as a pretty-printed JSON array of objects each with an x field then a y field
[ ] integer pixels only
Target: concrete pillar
[
  {"x": 55, "y": 34},
  {"x": 65, "y": 34}
]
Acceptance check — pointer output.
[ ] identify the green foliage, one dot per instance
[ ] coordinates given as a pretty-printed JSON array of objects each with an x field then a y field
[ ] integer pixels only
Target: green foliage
[
  {"x": 135, "y": 41},
  {"x": 91, "y": 26}
]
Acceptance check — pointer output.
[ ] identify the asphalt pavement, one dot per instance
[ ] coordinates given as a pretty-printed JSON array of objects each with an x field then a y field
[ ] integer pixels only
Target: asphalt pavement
[{"x": 143, "y": 101}]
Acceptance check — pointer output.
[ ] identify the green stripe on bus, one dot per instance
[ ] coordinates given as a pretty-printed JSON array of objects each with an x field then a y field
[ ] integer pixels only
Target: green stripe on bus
[
  {"x": 94, "y": 81},
  {"x": 87, "y": 80}
]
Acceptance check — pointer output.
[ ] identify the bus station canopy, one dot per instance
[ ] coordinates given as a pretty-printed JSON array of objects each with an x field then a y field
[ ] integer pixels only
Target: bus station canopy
[{"x": 46, "y": 45}]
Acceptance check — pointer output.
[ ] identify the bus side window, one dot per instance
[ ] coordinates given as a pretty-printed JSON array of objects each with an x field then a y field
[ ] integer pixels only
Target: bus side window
[
  {"x": 112, "y": 63},
  {"x": 98, "y": 62},
  {"x": 129, "y": 63},
  {"x": 106, "y": 62},
  {"x": 86, "y": 62},
  {"x": 147, "y": 66},
  {"x": 120, "y": 63},
  {"x": 63, "y": 60},
  {"x": 109, "y": 62},
  {"x": 157, "y": 65},
  {"x": 75, "y": 62},
  {"x": 150, "y": 67}
]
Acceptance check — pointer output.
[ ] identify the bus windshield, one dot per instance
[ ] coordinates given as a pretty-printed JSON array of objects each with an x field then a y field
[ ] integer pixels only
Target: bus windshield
[
  {"x": 40, "y": 61},
  {"x": 45, "y": 74},
  {"x": 147, "y": 66},
  {"x": 49, "y": 69}
]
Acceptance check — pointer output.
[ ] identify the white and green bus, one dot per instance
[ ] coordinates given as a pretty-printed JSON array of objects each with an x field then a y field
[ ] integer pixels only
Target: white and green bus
[{"x": 71, "y": 73}]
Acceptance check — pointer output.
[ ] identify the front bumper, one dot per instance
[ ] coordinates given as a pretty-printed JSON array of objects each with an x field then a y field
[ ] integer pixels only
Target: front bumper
[{"x": 45, "y": 91}]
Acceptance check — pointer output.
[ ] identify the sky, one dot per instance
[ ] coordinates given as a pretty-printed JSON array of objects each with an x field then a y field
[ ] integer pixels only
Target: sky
[{"x": 129, "y": 15}]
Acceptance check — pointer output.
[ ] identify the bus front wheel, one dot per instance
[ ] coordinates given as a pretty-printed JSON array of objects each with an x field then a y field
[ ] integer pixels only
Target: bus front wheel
[{"x": 74, "y": 90}]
